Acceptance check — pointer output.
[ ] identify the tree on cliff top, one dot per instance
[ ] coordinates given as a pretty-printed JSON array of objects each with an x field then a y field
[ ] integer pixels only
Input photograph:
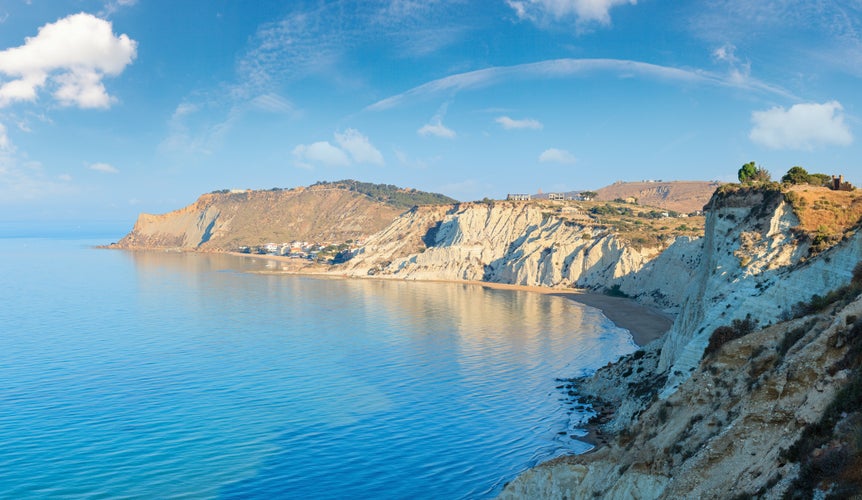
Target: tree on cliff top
[
  {"x": 750, "y": 173},
  {"x": 796, "y": 175}
]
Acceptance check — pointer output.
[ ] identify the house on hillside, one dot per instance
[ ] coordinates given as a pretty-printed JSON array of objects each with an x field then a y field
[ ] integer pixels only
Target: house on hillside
[
  {"x": 838, "y": 184},
  {"x": 518, "y": 197},
  {"x": 556, "y": 196}
]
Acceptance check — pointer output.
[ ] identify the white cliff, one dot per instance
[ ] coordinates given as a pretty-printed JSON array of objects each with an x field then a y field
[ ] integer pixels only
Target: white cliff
[{"x": 524, "y": 244}]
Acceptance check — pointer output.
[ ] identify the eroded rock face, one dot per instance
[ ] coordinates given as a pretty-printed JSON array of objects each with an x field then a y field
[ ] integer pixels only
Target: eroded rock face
[
  {"x": 524, "y": 244},
  {"x": 225, "y": 221},
  {"x": 726, "y": 430},
  {"x": 753, "y": 264}
]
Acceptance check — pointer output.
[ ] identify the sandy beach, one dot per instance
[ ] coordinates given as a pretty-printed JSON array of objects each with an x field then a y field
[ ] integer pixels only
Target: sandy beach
[{"x": 644, "y": 323}]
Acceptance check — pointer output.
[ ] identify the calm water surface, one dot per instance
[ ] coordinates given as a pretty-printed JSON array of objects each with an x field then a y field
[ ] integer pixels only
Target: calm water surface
[{"x": 155, "y": 374}]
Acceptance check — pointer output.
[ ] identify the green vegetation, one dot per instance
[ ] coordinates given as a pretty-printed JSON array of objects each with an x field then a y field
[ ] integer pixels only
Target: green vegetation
[
  {"x": 389, "y": 194},
  {"x": 615, "y": 291},
  {"x": 798, "y": 175},
  {"x": 724, "y": 334},
  {"x": 750, "y": 173}
]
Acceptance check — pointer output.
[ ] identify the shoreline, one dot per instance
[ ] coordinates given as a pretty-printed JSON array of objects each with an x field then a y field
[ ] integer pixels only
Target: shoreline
[{"x": 645, "y": 323}]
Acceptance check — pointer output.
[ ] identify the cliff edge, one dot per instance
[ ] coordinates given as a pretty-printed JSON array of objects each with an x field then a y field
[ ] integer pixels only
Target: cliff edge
[{"x": 756, "y": 389}]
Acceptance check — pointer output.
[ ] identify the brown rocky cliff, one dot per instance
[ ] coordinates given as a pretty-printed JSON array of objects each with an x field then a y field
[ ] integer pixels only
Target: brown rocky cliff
[{"x": 225, "y": 221}]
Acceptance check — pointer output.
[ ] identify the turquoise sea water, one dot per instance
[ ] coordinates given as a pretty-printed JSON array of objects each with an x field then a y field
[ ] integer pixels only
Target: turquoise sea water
[{"x": 168, "y": 375}]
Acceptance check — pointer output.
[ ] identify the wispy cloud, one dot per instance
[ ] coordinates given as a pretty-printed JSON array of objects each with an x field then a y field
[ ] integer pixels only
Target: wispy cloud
[
  {"x": 512, "y": 124},
  {"x": 581, "y": 10},
  {"x": 105, "y": 168},
  {"x": 5, "y": 143},
  {"x": 554, "y": 155},
  {"x": 72, "y": 55},
  {"x": 802, "y": 126},
  {"x": 435, "y": 127},
  {"x": 112, "y": 6},
  {"x": 273, "y": 103},
  {"x": 568, "y": 68},
  {"x": 352, "y": 148}
]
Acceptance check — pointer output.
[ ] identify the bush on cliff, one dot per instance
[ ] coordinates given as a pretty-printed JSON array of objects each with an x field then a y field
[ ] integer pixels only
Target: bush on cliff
[{"x": 724, "y": 334}]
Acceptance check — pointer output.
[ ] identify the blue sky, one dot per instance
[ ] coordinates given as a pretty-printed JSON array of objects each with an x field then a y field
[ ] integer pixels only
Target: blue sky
[{"x": 109, "y": 108}]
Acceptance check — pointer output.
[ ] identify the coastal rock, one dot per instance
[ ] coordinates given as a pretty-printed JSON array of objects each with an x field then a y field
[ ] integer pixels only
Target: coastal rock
[
  {"x": 228, "y": 220},
  {"x": 523, "y": 244},
  {"x": 731, "y": 429}
]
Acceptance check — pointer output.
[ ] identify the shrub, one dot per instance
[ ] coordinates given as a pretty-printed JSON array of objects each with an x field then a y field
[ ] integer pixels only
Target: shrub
[{"x": 724, "y": 334}]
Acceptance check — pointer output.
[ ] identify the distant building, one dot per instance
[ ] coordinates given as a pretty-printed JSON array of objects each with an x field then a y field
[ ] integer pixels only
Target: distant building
[
  {"x": 838, "y": 184},
  {"x": 556, "y": 196},
  {"x": 518, "y": 197}
]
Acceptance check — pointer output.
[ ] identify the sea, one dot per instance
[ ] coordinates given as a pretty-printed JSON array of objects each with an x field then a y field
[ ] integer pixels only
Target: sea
[{"x": 153, "y": 374}]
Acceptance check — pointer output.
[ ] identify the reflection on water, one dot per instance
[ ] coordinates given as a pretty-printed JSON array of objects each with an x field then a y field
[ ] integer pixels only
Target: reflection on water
[{"x": 183, "y": 374}]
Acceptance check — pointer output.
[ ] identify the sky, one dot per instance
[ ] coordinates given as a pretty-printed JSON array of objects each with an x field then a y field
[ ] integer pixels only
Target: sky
[{"x": 110, "y": 108}]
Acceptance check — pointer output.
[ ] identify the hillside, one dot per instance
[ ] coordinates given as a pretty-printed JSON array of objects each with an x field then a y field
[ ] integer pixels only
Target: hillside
[
  {"x": 680, "y": 196},
  {"x": 225, "y": 220},
  {"x": 758, "y": 379}
]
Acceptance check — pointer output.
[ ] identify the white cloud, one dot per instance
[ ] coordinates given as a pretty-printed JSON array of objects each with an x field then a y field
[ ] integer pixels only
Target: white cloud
[
  {"x": 582, "y": 10},
  {"x": 353, "y": 148},
  {"x": 74, "y": 54},
  {"x": 554, "y": 155},
  {"x": 359, "y": 147},
  {"x": 803, "y": 126},
  {"x": 321, "y": 152},
  {"x": 739, "y": 72},
  {"x": 105, "y": 168},
  {"x": 438, "y": 129},
  {"x": 435, "y": 127},
  {"x": 5, "y": 143},
  {"x": 511, "y": 124},
  {"x": 112, "y": 6}
]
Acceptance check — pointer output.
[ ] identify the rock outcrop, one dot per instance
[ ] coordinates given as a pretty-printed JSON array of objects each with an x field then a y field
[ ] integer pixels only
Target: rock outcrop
[
  {"x": 525, "y": 244},
  {"x": 225, "y": 221},
  {"x": 741, "y": 426},
  {"x": 766, "y": 415}
]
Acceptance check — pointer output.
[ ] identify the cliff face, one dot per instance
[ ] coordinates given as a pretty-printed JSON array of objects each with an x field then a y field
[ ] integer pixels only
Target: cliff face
[
  {"x": 752, "y": 263},
  {"x": 522, "y": 243},
  {"x": 225, "y": 221},
  {"x": 745, "y": 424},
  {"x": 738, "y": 421}
]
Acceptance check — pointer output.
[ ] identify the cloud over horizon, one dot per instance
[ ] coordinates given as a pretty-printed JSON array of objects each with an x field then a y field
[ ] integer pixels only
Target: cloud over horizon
[
  {"x": 802, "y": 126},
  {"x": 72, "y": 54}
]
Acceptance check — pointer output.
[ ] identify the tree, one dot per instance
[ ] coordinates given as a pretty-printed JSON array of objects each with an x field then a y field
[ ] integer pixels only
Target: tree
[
  {"x": 588, "y": 195},
  {"x": 762, "y": 175},
  {"x": 796, "y": 175},
  {"x": 750, "y": 173},
  {"x": 746, "y": 172},
  {"x": 820, "y": 179}
]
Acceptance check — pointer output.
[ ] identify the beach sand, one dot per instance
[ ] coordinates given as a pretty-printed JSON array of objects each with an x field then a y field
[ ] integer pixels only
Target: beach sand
[{"x": 645, "y": 324}]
